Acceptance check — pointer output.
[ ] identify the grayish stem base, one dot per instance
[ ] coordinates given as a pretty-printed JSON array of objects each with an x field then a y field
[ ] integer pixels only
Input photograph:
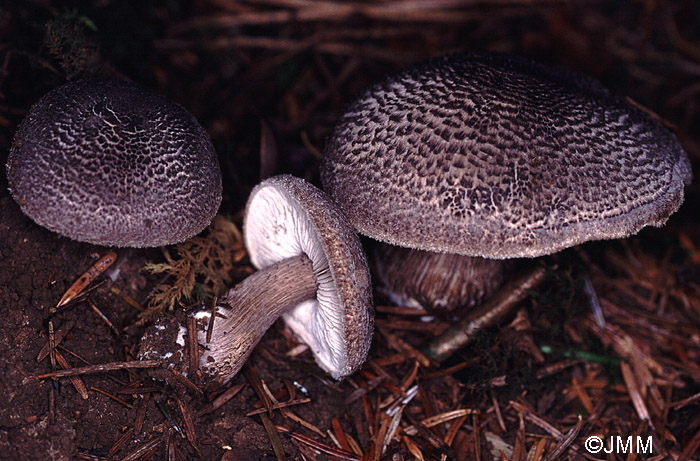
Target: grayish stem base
[
  {"x": 250, "y": 308},
  {"x": 447, "y": 284}
]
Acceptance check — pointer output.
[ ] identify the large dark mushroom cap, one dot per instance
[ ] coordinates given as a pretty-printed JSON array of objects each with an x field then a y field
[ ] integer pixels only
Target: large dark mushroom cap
[
  {"x": 499, "y": 157},
  {"x": 110, "y": 163}
]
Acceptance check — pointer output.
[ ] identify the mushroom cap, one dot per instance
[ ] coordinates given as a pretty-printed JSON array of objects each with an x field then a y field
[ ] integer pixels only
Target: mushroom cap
[
  {"x": 500, "y": 157},
  {"x": 285, "y": 217},
  {"x": 110, "y": 163}
]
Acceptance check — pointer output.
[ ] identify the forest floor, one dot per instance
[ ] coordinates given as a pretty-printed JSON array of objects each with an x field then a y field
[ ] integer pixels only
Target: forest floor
[{"x": 267, "y": 79}]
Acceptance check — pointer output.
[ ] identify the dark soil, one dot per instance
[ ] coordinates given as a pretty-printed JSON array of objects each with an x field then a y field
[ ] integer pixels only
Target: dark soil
[{"x": 38, "y": 267}]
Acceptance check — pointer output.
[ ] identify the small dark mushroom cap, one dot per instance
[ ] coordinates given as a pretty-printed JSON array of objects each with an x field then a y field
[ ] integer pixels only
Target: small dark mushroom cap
[
  {"x": 500, "y": 157},
  {"x": 286, "y": 217},
  {"x": 110, "y": 163}
]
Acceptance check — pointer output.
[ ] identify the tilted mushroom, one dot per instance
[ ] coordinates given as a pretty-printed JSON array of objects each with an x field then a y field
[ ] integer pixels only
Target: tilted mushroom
[
  {"x": 313, "y": 273},
  {"x": 492, "y": 156},
  {"x": 110, "y": 163}
]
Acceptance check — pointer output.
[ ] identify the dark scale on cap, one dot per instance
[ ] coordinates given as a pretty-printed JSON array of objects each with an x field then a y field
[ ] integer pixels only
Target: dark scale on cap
[
  {"x": 110, "y": 163},
  {"x": 496, "y": 156}
]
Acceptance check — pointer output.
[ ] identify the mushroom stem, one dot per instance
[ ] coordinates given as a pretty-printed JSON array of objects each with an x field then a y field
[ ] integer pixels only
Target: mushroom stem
[
  {"x": 249, "y": 309},
  {"x": 444, "y": 283}
]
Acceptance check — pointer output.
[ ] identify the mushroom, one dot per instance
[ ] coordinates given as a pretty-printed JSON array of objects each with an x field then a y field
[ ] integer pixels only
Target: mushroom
[
  {"x": 110, "y": 163},
  {"x": 492, "y": 156},
  {"x": 313, "y": 273}
]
